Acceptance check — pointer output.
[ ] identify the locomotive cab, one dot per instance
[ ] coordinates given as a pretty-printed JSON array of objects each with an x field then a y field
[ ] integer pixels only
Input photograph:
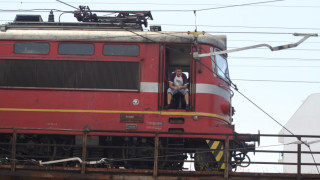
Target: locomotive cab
[
  {"x": 177, "y": 55},
  {"x": 102, "y": 89}
]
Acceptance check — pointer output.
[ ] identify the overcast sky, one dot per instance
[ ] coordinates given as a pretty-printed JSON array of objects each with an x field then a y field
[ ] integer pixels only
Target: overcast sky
[{"x": 276, "y": 81}]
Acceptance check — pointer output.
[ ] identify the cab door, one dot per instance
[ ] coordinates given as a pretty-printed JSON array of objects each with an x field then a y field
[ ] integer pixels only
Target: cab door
[{"x": 173, "y": 55}]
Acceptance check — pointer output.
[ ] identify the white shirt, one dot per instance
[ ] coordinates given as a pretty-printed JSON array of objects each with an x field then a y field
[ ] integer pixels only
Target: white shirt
[{"x": 178, "y": 81}]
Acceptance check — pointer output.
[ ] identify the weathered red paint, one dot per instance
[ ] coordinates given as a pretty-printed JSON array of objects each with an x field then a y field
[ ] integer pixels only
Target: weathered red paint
[{"x": 80, "y": 103}]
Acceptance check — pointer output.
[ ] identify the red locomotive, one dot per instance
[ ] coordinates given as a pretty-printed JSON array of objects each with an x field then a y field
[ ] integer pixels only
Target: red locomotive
[{"x": 109, "y": 79}]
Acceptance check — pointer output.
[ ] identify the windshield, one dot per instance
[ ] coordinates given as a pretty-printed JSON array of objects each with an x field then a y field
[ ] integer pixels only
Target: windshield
[{"x": 220, "y": 67}]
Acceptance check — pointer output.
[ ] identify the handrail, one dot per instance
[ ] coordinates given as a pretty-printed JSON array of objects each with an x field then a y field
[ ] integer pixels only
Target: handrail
[
  {"x": 86, "y": 133},
  {"x": 156, "y": 132}
]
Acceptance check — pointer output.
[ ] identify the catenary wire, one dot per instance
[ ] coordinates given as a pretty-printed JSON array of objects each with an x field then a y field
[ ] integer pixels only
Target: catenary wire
[
  {"x": 238, "y": 5},
  {"x": 140, "y": 35},
  {"x": 268, "y": 41},
  {"x": 295, "y": 49},
  {"x": 270, "y": 66},
  {"x": 230, "y": 32},
  {"x": 270, "y": 58},
  {"x": 278, "y": 124},
  {"x": 172, "y": 34},
  {"x": 199, "y": 25},
  {"x": 249, "y": 27},
  {"x": 157, "y": 4},
  {"x": 149, "y": 40},
  {"x": 206, "y": 9},
  {"x": 220, "y": 7},
  {"x": 257, "y": 106},
  {"x": 279, "y": 81},
  {"x": 255, "y": 40}
]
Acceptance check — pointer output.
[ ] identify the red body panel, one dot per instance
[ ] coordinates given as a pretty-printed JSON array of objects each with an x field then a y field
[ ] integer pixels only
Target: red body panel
[{"x": 101, "y": 110}]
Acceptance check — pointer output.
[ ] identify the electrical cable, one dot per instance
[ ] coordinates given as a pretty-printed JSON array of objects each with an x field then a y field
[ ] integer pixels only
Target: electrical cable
[
  {"x": 32, "y": 10},
  {"x": 241, "y": 32},
  {"x": 225, "y": 32},
  {"x": 172, "y": 34},
  {"x": 205, "y": 9},
  {"x": 314, "y": 160},
  {"x": 157, "y": 4},
  {"x": 236, "y": 89},
  {"x": 242, "y": 95},
  {"x": 263, "y": 48},
  {"x": 253, "y": 32},
  {"x": 269, "y": 41},
  {"x": 248, "y": 27},
  {"x": 195, "y": 20},
  {"x": 259, "y": 66},
  {"x": 234, "y": 86},
  {"x": 238, "y": 32},
  {"x": 237, "y": 5},
  {"x": 247, "y": 40},
  {"x": 270, "y": 58},
  {"x": 67, "y": 4},
  {"x": 278, "y": 81},
  {"x": 284, "y": 6}
]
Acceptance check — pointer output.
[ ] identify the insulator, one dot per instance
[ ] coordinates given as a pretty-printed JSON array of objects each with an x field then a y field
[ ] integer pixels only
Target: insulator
[{"x": 51, "y": 17}]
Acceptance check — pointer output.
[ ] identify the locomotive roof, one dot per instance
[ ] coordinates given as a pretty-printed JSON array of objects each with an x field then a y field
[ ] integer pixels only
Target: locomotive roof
[{"x": 98, "y": 33}]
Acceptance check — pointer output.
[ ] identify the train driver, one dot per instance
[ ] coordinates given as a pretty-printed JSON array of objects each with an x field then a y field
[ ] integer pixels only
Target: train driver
[{"x": 178, "y": 82}]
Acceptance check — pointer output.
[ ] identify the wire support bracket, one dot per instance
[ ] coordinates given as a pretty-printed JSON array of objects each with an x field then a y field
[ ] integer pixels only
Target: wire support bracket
[{"x": 196, "y": 55}]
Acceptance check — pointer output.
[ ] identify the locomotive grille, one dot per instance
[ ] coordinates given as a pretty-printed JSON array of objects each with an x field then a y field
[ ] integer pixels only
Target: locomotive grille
[{"x": 69, "y": 74}]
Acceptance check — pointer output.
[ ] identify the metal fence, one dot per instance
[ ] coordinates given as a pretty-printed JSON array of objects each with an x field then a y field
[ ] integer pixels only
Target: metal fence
[{"x": 13, "y": 162}]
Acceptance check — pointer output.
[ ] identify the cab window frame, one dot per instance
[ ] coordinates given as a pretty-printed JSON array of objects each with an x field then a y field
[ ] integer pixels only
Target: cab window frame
[
  {"x": 135, "y": 54},
  {"x": 216, "y": 61},
  {"x": 29, "y": 47},
  {"x": 75, "y": 50}
]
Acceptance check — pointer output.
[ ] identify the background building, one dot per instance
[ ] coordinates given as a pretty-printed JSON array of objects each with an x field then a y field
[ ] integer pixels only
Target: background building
[{"x": 305, "y": 121}]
